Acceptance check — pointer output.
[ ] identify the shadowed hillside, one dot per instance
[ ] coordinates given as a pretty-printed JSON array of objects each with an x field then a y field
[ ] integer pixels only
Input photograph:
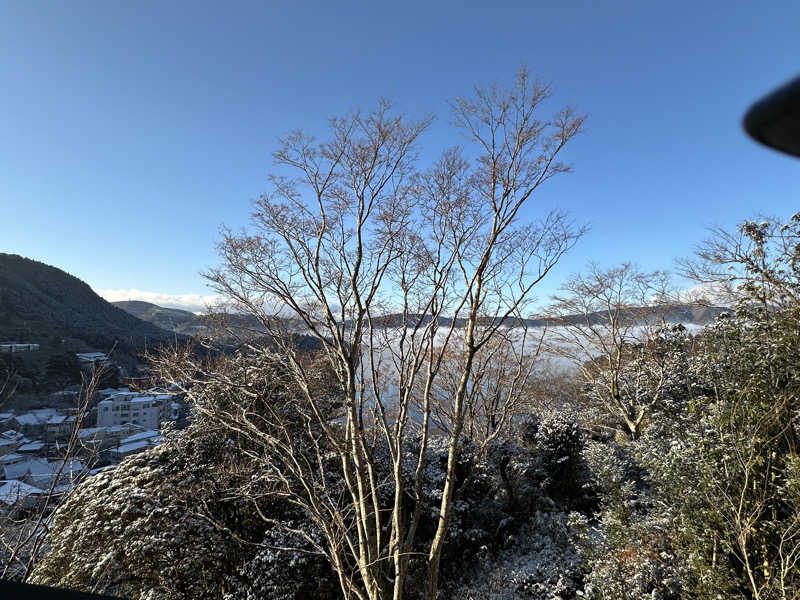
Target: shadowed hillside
[{"x": 39, "y": 302}]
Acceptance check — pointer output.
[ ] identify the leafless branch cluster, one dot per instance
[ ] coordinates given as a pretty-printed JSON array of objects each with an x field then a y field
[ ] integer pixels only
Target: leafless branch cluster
[
  {"x": 759, "y": 260},
  {"x": 396, "y": 273},
  {"x": 601, "y": 315},
  {"x": 500, "y": 386}
]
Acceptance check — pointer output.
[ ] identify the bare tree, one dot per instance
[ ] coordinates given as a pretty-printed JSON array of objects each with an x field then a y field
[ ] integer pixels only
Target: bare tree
[
  {"x": 499, "y": 387},
  {"x": 600, "y": 316},
  {"x": 759, "y": 261},
  {"x": 369, "y": 255}
]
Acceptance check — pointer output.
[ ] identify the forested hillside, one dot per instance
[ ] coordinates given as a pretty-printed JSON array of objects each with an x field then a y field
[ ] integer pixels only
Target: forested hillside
[{"x": 39, "y": 302}]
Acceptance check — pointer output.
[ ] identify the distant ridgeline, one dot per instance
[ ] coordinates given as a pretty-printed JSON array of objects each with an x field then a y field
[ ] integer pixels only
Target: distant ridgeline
[
  {"x": 670, "y": 314},
  {"x": 229, "y": 329},
  {"x": 188, "y": 323},
  {"x": 40, "y": 304}
]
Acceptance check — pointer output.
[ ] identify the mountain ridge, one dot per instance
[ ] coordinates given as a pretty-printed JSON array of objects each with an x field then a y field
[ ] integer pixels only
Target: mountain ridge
[
  {"x": 183, "y": 321},
  {"x": 39, "y": 302}
]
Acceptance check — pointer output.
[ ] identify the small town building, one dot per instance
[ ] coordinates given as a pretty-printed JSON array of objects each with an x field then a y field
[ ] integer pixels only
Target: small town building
[
  {"x": 15, "y": 494},
  {"x": 15, "y": 347},
  {"x": 91, "y": 357},
  {"x": 137, "y": 443},
  {"x": 132, "y": 408}
]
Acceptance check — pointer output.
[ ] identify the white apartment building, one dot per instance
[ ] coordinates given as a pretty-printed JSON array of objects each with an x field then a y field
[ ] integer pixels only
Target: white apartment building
[{"x": 127, "y": 407}]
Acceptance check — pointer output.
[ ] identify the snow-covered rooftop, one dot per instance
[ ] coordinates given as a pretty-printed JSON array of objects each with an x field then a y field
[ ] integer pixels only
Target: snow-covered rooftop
[
  {"x": 134, "y": 447},
  {"x": 141, "y": 399},
  {"x": 91, "y": 356},
  {"x": 127, "y": 427},
  {"x": 31, "y": 447},
  {"x": 10, "y": 458},
  {"x": 111, "y": 391},
  {"x": 16, "y": 470},
  {"x": 91, "y": 431},
  {"x": 40, "y": 416},
  {"x": 12, "y": 491},
  {"x": 144, "y": 435},
  {"x": 42, "y": 468}
]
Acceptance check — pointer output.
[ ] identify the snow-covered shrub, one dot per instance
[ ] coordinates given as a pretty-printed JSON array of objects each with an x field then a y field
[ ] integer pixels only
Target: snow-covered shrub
[
  {"x": 556, "y": 440},
  {"x": 625, "y": 546},
  {"x": 704, "y": 503},
  {"x": 537, "y": 562},
  {"x": 506, "y": 513},
  {"x": 157, "y": 526},
  {"x": 628, "y": 559},
  {"x": 286, "y": 567}
]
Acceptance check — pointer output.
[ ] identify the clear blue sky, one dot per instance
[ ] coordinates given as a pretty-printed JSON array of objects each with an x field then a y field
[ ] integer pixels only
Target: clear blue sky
[{"x": 129, "y": 131}]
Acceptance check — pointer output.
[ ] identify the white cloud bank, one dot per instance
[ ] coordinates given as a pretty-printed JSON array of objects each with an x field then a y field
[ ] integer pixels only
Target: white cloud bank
[
  {"x": 716, "y": 294},
  {"x": 192, "y": 302}
]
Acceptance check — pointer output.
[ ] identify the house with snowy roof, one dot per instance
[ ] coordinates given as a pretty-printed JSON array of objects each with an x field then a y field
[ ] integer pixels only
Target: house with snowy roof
[
  {"x": 10, "y": 440},
  {"x": 14, "y": 466},
  {"x": 91, "y": 358},
  {"x": 34, "y": 422},
  {"x": 17, "y": 347},
  {"x": 43, "y": 473},
  {"x": 34, "y": 447},
  {"x": 7, "y": 446},
  {"x": 18, "y": 494},
  {"x": 40, "y": 472},
  {"x": 59, "y": 427},
  {"x": 48, "y": 424},
  {"x": 106, "y": 392},
  {"x": 137, "y": 443},
  {"x": 148, "y": 434}
]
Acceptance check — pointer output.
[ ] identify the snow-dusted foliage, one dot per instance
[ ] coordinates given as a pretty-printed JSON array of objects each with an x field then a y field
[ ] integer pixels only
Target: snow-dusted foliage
[
  {"x": 628, "y": 557},
  {"x": 509, "y": 537},
  {"x": 140, "y": 530},
  {"x": 704, "y": 503},
  {"x": 538, "y": 561},
  {"x": 286, "y": 567},
  {"x": 557, "y": 441}
]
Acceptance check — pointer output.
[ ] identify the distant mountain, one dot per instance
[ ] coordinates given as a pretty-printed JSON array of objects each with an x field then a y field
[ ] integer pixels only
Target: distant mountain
[
  {"x": 686, "y": 314},
  {"x": 188, "y": 323},
  {"x": 39, "y": 303},
  {"x": 171, "y": 319},
  {"x": 230, "y": 330},
  {"x": 672, "y": 314}
]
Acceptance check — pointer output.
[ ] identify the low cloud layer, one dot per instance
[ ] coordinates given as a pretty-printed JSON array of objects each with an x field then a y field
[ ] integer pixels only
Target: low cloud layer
[
  {"x": 713, "y": 293},
  {"x": 191, "y": 302}
]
